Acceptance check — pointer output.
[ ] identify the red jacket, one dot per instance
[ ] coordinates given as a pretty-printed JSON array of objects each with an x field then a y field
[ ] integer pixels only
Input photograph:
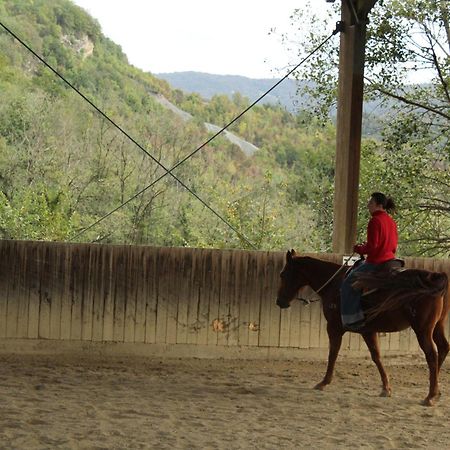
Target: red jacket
[{"x": 382, "y": 239}]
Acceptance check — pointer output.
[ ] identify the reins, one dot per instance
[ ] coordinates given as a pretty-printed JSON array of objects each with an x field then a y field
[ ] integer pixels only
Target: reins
[{"x": 344, "y": 266}]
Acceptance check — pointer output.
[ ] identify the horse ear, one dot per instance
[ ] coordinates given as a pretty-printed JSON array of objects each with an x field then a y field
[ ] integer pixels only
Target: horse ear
[
  {"x": 288, "y": 256},
  {"x": 293, "y": 252}
]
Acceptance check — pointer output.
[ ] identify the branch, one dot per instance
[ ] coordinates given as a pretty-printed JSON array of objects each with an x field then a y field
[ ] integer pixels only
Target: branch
[
  {"x": 438, "y": 68},
  {"x": 431, "y": 36},
  {"x": 429, "y": 249},
  {"x": 408, "y": 101},
  {"x": 444, "y": 240},
  {"x": 445, "y": 19},
  {"x": 434, "y": 208},
  {"x": 436, "y": 180},
  {"x": 437, "y": 200}
]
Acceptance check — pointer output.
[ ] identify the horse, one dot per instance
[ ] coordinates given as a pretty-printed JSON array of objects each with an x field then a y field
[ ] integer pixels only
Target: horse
[{"x": 415, "y": 298}]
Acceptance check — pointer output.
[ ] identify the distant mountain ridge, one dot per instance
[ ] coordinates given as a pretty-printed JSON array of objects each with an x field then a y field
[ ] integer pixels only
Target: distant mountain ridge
[
  {"x": 208, "y": 85},
  {"x": 287, "y": 94}
]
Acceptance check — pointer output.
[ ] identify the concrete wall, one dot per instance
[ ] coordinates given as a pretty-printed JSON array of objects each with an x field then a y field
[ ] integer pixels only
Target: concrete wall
[{"x": 151, "y": 300}]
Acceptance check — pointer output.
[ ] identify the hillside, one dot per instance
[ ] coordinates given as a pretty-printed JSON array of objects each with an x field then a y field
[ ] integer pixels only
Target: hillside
[
  {"x": 63, "y": 166},
  {"x": 247, "y": 147}
]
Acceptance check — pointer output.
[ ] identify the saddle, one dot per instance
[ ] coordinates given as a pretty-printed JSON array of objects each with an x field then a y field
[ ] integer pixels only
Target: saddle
[
  {"x": 393, "y": 264},
  {"x": 388, "y": 268},
  {"x": 403, "y": 288}
]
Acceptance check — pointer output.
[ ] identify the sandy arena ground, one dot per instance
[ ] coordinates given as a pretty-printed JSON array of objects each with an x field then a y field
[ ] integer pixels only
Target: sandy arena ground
[{"x": 80, "y": 402}]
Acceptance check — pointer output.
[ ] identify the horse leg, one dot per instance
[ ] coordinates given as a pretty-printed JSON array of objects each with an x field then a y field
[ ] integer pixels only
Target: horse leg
[
  {"x": 371, "y": 341},
  {"x": 441, "y": 343},
  {"x": 335, "y": 339},
  {"x": 429, "y": 348}
]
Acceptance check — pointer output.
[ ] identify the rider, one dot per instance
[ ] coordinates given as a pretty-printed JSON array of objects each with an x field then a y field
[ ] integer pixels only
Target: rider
[{"x": 380, "y": 247}]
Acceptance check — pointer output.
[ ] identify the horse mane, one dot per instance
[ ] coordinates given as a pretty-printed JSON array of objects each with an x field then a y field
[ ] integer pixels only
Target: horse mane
[{"x": 404, "y": 287}]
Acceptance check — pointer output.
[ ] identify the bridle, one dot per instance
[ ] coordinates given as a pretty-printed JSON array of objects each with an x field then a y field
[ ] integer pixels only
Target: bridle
[{"x": 306, "y": 301}]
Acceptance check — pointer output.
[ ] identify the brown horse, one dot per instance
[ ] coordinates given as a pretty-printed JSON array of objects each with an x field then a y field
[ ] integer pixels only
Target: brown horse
[{"x": 416, "y": 299}]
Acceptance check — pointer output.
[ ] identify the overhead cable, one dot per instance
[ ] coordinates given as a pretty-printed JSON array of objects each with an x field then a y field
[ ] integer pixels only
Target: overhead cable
[
  {"x": 169, "y": 171},
  {"x": 339, "y": 28}
]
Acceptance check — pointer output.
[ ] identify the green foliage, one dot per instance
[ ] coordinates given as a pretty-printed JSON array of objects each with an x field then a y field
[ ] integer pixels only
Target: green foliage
[
  {"x": 411, "y": 170},
  {"x": 411, "y": 159},
  {"x": 63, "y": 166},
  {"x": 34, "y": 214}
]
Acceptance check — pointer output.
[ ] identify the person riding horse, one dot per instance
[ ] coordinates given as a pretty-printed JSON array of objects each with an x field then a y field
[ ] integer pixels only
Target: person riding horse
[{"x": 380, "y": 247}]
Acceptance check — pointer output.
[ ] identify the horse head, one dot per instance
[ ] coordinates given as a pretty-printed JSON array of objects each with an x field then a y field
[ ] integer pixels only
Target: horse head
[{"x": 291, "y": 281}]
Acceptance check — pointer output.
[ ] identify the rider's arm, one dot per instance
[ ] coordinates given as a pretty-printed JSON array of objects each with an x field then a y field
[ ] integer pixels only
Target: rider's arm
[{"x": 373, "y": 239}]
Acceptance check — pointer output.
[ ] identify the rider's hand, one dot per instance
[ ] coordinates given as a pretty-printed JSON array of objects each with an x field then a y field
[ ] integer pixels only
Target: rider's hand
[{"x": 357, "y": 249}]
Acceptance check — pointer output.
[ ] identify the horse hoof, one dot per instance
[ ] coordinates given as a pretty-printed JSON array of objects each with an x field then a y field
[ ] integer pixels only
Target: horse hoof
[
  {"x": 385, "y": 393},
  {"x": 319, "y": 387},
  {"x": 428, "y": 402}
]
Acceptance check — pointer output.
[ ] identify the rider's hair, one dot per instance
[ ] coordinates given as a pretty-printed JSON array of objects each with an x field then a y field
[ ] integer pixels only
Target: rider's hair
[{"x": 386, "y": 202}]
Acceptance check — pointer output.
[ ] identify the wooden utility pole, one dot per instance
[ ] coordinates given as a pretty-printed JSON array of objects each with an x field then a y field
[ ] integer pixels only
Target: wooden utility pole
[{"x": 349, "y": 118}]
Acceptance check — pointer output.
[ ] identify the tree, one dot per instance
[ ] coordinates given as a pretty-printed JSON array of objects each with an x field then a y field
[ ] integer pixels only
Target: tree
[
  {"x": 408, "y": 70},
  {"x": 63, "y": 166}
]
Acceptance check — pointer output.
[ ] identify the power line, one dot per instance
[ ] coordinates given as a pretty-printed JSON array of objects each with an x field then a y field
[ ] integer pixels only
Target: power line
[
  {"x": 169, "y": 171},
  {"x": 335, "y": 31}
]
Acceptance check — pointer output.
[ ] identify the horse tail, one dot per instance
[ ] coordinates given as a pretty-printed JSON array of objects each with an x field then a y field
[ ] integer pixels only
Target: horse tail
[{"x": 404, "y": 288}]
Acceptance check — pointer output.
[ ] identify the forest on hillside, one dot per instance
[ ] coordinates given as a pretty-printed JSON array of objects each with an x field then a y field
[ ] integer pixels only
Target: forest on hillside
[{"x": 63, "y": 166}]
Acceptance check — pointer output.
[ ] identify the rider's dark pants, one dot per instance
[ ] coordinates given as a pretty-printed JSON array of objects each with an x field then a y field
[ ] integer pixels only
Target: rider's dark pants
[{"x": 351, "y": 310}]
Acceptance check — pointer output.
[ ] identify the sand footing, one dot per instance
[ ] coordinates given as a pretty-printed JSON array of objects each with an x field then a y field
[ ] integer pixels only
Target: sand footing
[{"x": 66, "y": 401}]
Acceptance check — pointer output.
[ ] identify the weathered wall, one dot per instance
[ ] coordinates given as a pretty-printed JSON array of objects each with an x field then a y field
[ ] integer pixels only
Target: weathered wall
[{"x": 164, "y": 296}]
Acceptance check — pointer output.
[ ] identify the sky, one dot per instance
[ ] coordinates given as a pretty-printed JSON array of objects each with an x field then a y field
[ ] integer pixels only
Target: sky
[{"x": 226, "y": 38}]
